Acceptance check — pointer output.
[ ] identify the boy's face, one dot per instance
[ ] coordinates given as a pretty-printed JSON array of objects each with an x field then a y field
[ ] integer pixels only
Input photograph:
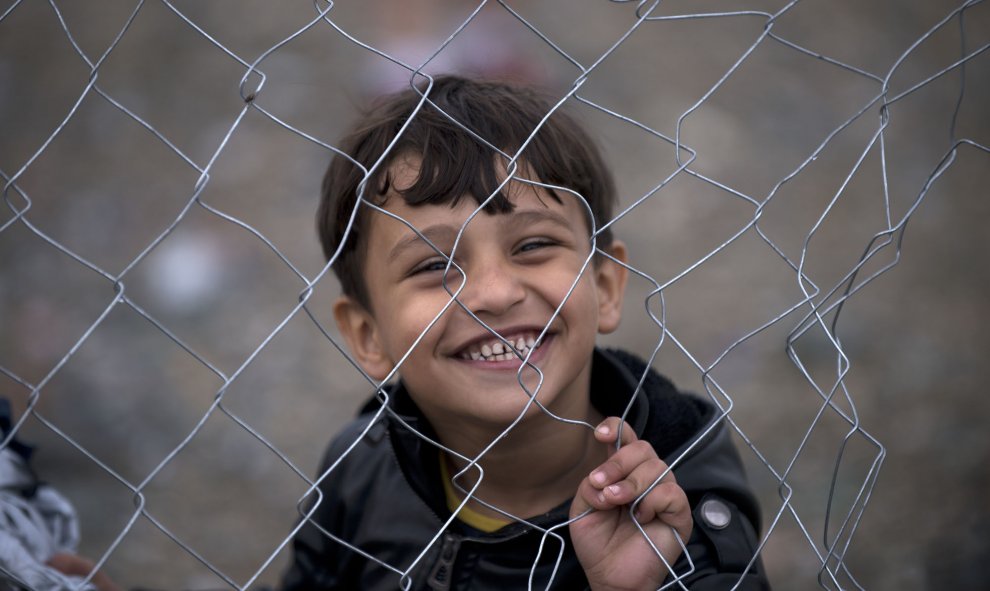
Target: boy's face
[{"x": 519, "y": 267}]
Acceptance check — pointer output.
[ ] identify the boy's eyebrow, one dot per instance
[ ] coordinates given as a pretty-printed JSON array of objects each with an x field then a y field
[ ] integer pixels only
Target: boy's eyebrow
[
  {"x": 440, "y": 234},
  {"x": 534, "y": 216},
  {"x": 435, "y": 233}
]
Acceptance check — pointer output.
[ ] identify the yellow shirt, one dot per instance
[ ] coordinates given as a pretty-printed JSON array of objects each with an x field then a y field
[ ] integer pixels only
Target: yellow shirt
[{"x": 469, "y": 516}]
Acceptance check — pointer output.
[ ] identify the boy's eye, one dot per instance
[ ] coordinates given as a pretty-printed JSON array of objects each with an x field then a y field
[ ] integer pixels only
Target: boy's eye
[
  {"x": 535, "y": 244},
  {"x": 432, "y": 265}
]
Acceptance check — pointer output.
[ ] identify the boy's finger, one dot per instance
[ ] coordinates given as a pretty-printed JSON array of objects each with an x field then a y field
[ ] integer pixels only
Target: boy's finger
[
  {"x": 588, "y": 497},
  {"x": 668, "y": 503},
  {"x": 622, "y": 463},
  {"x": 638, "y": 481},
  {"x": 608, "y": 430}
]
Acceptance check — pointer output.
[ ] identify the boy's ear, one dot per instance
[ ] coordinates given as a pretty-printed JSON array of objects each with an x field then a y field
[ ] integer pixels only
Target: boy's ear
[
  {"x": 611, "y": 278},
  {"x": 360, "y": 330}
]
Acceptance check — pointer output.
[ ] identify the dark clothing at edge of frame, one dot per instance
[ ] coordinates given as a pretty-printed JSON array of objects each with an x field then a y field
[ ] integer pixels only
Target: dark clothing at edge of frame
[{"x": 386, "y": 498}]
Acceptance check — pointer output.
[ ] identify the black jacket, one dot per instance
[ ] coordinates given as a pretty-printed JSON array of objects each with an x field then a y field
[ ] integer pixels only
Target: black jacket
[{"x": 386, "y": 498}]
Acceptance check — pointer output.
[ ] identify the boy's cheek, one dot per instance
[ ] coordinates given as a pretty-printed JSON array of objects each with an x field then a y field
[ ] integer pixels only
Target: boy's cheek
[{"x": 412, "y": 317}]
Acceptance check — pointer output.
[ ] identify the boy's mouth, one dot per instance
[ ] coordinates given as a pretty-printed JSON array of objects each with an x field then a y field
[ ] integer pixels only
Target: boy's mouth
[{"x": 495, "y": 350}]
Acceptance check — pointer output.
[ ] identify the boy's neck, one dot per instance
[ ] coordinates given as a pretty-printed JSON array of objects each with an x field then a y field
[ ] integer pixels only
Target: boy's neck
[{"x": 534, "y": 468}]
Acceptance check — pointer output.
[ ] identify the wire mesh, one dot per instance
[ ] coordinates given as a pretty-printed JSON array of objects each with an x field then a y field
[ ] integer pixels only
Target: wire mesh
[{"x": 166, "y": 333}]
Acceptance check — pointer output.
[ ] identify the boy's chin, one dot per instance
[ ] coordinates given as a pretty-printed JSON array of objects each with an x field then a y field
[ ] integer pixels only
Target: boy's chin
[
  {"x": 508, "y": 404},
  {"x": 497, "y": 420}
]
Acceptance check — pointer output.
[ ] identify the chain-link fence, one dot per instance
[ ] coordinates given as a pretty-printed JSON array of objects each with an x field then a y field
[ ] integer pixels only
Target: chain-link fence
[{"x": 167, "y": 337}]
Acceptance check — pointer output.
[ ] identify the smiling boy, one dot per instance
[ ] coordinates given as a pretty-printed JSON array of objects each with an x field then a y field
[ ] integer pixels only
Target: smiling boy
[{"x": 475, "y": 280}]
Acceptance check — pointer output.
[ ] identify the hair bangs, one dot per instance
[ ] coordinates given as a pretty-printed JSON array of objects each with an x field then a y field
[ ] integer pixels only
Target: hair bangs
[{"x": 452, "y": 165}]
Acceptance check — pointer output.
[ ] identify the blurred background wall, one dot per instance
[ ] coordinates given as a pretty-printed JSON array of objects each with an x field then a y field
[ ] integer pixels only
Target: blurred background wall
[{"x": 106, "y": 187}]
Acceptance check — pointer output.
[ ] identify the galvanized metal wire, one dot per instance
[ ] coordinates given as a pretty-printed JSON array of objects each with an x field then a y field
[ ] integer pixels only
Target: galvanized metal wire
[{"x": 827, "y": 531}]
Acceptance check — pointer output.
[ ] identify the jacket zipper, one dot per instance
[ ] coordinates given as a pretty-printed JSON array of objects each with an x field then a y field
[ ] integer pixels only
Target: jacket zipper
[{"x": 443, "y": 570}]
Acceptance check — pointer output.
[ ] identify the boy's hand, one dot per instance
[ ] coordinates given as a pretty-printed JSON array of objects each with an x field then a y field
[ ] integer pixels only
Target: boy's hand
[
  {"x": 70, "y": 564},
  {"x": 611, "y": 549}
]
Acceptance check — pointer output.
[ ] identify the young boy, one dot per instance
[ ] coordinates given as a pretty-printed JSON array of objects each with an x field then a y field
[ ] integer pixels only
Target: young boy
[{"x": 481, "y": 282}]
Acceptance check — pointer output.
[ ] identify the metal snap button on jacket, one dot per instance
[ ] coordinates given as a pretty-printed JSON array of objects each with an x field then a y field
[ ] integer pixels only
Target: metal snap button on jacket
[{"x": 716, "y": 514}]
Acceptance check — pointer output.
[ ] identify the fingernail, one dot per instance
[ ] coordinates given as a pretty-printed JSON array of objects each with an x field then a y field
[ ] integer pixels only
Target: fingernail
[
  {"x": 598, "y": 477},
  {"x": 602, "y": 430},
  {"x": 614, "y": 489},
  {"x": 601, "y": 497}
]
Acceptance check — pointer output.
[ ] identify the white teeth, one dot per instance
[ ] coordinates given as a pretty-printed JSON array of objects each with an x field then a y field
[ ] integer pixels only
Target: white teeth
[{"x": 499, "y": 351}]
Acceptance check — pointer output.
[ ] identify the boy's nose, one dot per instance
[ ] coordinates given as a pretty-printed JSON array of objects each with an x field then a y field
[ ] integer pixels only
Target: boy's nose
[{"x": 492, "y": 288}]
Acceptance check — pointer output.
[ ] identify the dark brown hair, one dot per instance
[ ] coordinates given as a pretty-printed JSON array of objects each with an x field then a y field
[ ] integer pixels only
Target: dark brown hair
[{"x": 454, "y": 163}]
